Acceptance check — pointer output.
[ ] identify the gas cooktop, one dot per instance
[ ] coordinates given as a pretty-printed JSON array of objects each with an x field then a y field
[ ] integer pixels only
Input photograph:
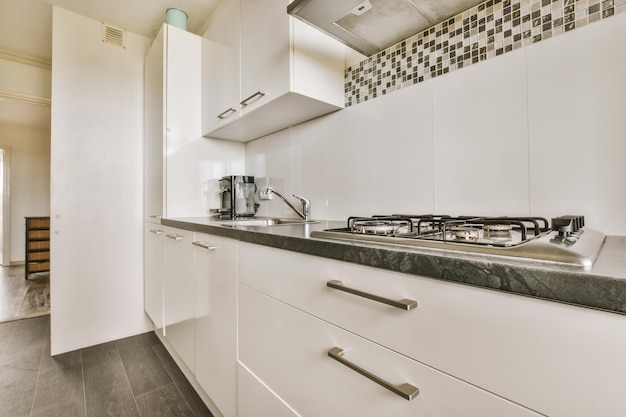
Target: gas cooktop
[{"x": 564, "y": 240}]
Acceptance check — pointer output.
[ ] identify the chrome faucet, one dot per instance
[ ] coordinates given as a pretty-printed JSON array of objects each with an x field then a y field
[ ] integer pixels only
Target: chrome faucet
[{"x": 305, "y": 214}]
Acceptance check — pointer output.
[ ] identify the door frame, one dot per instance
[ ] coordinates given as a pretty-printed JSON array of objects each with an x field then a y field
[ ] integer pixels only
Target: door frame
[{"x": 6, "y": 206}]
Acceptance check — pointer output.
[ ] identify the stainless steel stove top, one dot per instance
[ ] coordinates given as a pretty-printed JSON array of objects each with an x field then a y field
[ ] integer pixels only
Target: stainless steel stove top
[{"x": 566, "y": 240}]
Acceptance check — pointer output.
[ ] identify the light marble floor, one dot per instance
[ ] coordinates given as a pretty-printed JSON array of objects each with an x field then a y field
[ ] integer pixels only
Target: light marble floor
[{"x": 21, "y": 298}]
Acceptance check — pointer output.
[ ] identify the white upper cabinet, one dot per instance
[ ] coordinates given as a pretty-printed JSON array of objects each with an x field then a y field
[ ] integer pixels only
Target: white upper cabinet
[
  {"x": 154, "y": 125},
  {"x": 220, "y": 68},
  {"x": 178, "y": 159},
  {"x": 265, "y": 52},
  {"x": 288, "y": 72}
]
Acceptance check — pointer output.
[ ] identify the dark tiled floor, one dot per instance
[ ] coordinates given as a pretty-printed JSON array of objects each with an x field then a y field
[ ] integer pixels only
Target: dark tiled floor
[
  {"x": 132, "y": 377},
  {"x": 21, "y": 298}
]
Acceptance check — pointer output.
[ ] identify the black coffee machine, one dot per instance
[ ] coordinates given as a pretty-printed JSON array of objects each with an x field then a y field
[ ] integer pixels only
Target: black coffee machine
[{"x": 237, "y": 196}]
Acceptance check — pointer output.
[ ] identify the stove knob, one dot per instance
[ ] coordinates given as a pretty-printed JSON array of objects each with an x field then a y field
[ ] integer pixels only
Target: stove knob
[{"x": 566, "y": 225}]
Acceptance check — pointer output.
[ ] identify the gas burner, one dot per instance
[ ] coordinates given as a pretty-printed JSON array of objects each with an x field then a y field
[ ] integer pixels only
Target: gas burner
[
  {"x": 375, "y": 227},
  {"x": 466, "y": 233},
  {"x": 498, "y": 232},
  {"x": 494, "y": 228}
]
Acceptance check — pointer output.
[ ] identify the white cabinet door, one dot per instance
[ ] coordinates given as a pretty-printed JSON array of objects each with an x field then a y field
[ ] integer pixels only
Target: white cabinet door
[
  {"x": 175, "y": 152},
  {"x": 255, "y": 399},
  {"x": 220, "y": 68},
  {"x": 154, "y": 134},
  {"x": 179, "y": 293},
  {"x": 265, "y": 51},
  {"x": 187, "y": 151},
  {"x": 183, "y": 92},
  {"x": 153, "y": 274},
  {"x": 288, "y": 350},
  {"x": 215, "y": 273}
]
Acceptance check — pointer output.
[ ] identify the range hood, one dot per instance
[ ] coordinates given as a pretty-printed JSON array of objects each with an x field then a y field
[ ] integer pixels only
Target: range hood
[{"x": 373, "y": 25}]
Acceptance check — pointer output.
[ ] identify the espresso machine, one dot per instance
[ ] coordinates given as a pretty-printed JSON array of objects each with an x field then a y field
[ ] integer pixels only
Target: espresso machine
[{"x": 237, "y": 196}]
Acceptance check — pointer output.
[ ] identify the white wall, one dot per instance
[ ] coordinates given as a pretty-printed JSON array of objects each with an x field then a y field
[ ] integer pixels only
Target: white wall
[
  {"x": 96, "y": 185},
  {"x": 539, "y": 131},
  {"x": 30, "y": 179}
]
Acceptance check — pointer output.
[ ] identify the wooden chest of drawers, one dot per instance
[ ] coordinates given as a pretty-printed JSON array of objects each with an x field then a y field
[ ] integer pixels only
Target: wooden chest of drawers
[{"x": 37, "y": 257}]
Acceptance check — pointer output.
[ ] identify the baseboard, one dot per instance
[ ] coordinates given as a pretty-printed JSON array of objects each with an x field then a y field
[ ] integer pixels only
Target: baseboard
[{"x": 27, "y": 316}]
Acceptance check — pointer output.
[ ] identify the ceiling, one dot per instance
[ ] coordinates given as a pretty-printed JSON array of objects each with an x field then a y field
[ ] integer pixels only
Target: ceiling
[{"x": 26, "y": 27}]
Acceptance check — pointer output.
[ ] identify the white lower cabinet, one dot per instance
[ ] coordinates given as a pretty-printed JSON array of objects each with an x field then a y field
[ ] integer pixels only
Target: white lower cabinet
[
  {"x": 556, "y": 359},
  {"x": 153, "y": 274},
  {"x": 179, "y": 293},
  {"x": 191, "y": 296},
  {"x": 256, "y": 399},
  {"x": 288, "y": 350},
  {"x": 215, "y": 271}
]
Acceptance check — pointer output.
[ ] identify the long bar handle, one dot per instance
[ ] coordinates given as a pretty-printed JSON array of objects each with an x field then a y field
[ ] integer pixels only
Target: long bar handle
[
  {"x": 174, "y": 237},
  {"x": 204, "y": 245},
  {"x": 406, "y": 391},
  {"x": 226, "y": 113},
  {"x": 254, "y": 96},
  {"x": 156, "y": 231},
  {"x": 404, "y": 304}
]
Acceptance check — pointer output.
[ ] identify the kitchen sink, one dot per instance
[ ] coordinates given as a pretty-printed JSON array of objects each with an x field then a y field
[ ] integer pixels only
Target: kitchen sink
[{"x": 264, "y": 222}]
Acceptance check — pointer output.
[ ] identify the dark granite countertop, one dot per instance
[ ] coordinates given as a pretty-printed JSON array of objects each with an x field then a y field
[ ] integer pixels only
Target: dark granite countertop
[{"x": 602, "y": 286}]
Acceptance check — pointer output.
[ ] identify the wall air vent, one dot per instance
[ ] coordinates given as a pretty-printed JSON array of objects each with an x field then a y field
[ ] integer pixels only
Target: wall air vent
[{"x": 114, "y": 36}]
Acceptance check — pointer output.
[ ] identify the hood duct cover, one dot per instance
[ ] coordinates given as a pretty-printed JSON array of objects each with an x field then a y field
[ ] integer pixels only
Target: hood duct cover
[{"x": 373, "y": 25}]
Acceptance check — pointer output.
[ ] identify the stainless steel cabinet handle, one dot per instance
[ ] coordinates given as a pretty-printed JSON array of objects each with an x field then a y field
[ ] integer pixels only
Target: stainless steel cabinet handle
[
  {"x": 226, "y": 113},
  {"x": 156, "y": 216},
  {"x": 204, "y": 245},
  {"x": 156, "y": 231},
  {"x": 254, "y": 96},
  {"x": 406, "y": 391},
  {"x": 404, "y": 304},
  {"x": 174, "y": 237}
]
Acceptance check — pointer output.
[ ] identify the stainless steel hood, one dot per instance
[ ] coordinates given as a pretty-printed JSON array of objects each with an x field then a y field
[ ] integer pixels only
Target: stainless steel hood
[{"x": 373, "y": 25}]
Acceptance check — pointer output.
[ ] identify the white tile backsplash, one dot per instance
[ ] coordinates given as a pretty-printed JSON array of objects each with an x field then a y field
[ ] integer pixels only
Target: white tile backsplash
[
  {"x": 541, "y": 129},
  {"x": 481, "y": 139},
  {"x": 269, "y": 161},
  {"x": 308, "y": 172},
  {"x": 401, "y": 153},
  {"x": 577, "y": 109},
  {"x": 347, "y": 163}
]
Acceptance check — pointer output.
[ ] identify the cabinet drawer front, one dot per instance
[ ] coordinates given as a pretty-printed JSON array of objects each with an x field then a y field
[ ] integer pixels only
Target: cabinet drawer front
[
  {"x": 37, "y": 256},
  {"x": 38, "y": 244},
  {"x": 39, "y": 234},
  {"x": 554, "y": 358},
  {"x": 288, "y": 350},
  {"x": 38, "y": 223},
  {"x": 39, "y": 267}
]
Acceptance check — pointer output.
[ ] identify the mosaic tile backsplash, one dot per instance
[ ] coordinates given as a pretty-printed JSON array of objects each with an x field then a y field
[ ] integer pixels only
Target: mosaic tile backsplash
[{"x": 482, "y": 32}]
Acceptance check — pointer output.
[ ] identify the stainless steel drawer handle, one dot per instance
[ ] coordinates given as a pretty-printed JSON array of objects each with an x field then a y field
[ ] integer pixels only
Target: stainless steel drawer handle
[
  {"x": 253, "y": 97},
  {"x": 226, "y": 113},
  {"x": 174, "y": 237},
  {"x": 404, "y": 304},
  {"x": 406, "y": 391},
  {"x": 156, "y": 216},
  {"x": 156, "y": 231},
  {"x": 204, "y": 245}
]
